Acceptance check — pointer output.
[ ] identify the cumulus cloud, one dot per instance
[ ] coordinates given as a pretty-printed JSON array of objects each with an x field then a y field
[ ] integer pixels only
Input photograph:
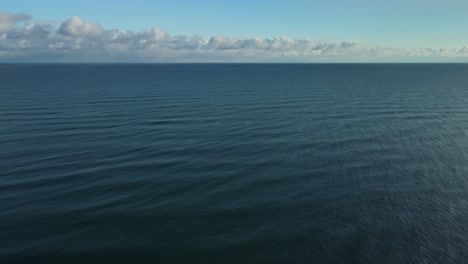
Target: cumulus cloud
[
  {"x": 75, "y": 40},
  {"x": 75, "y": 27},
  {"x": 7, "y": 21}
]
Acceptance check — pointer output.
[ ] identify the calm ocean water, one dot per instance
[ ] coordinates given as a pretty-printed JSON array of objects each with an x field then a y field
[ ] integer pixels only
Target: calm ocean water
[{"x": 234, "y": 163}]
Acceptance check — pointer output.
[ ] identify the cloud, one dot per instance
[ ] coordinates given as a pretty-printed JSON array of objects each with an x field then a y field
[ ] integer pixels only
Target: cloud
[
  {"x": 75, "y": 27},
  {"x": 75, "y": 40},
  {"x": 7, "y": 21}
]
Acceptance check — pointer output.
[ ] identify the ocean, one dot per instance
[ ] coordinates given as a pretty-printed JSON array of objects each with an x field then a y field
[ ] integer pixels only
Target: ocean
[{"x": 234, "y": 163}]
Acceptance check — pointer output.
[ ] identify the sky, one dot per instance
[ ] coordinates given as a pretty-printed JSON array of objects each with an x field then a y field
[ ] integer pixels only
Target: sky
[{"x": 234, "y": 31}]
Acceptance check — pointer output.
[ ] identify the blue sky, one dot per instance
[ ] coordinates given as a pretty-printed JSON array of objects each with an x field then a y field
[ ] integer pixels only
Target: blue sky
[{"x": 404, "y": 24}]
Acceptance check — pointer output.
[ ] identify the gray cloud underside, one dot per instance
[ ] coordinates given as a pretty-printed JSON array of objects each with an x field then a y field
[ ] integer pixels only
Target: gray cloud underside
[{"x": 78, "y": 41}]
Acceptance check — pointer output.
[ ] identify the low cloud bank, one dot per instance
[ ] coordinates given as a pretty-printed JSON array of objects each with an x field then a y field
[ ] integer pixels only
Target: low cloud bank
[{"x": 75, "y": 40}]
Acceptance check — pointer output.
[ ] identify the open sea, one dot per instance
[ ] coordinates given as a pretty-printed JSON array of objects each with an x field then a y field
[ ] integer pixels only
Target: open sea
[{"x": 234, "y": 163}]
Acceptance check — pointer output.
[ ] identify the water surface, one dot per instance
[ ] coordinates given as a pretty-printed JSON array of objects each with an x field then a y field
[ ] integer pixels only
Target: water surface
[{"x": 234, "y": 163}]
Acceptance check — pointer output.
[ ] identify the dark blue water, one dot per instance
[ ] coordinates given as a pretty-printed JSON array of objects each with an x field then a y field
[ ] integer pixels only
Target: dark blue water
[{"x": 234, "y": 163}]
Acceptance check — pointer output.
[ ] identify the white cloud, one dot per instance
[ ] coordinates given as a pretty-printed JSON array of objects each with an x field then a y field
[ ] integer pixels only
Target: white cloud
[
  {"x": 8, "y": 20},
  {"x": 75, "y": 40},
  {"x": 75, "y": 27}
]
